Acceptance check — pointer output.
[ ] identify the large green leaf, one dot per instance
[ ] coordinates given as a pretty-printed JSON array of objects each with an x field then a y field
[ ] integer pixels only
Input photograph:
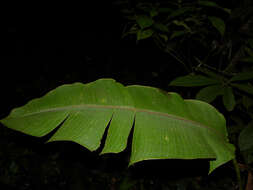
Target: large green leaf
[{"x": 164, "y": 125}]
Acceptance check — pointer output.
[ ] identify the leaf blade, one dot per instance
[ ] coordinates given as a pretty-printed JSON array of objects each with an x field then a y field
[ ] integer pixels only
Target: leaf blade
[
  {"x": 163, "y": 120},
  {"x": 88, "y": 135},
  {"x": 118, "y": 132}
]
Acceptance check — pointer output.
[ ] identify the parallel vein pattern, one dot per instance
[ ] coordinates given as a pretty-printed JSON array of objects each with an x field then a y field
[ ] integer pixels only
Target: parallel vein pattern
[{"x": 166, "y": 126}]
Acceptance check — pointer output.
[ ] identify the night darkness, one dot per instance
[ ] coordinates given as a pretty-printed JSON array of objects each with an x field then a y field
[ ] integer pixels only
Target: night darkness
[
  {"x": 47, "y": 45},
  {"x": 43, "y": 48}
]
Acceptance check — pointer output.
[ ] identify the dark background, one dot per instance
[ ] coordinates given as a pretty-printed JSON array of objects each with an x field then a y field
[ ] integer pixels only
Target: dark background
[
  {"x": 44, "y": 47},
  {"x": 47, "y": 45}
]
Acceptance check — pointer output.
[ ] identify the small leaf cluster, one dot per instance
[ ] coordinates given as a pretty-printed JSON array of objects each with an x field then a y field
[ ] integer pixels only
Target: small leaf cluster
[
  {"x": 220, "y": 86},
  {"x": 165, "y": 21}
]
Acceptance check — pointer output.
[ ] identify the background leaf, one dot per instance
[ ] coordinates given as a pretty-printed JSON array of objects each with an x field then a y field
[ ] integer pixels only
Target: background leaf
[
  {"x": 208, "y": 3},
  {"x": 228, "y": 98},
  {"x": 144, "y": 21},
  {"x": 213, "y": 4},
  {"x": 245, "y": 138},
  {"x": 208, "y": 94},
  {"x": 247, "y": 102},
  {"x": 193, "y": 80},
  {"x": 180, "y": 12},
  {"x": 248, "y": 156},
  {"x": 143, "y": 34},
  {"x": 248, "y": 88},
  {"x": 161, "y": 27},
  {"x": 177, "y": 34},
  {"x": 247, "y": 59},
  {"x": 218, "y": 24},
  {"x": 242, "y": 76}
]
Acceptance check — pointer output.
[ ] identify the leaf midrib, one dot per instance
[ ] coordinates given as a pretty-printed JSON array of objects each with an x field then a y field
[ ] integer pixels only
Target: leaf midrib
[
  {"x": 80, "y": 107},
  {"x": 77, "y": 107}
]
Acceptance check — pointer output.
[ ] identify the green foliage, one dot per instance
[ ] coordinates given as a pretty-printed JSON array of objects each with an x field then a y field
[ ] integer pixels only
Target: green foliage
[
  {"x": 213, "y": 42},
  {"x": 246, "y": 144},
  {"x": 165, "y": 125},
  {"x": 209, "y": 93},
  {"x": 144, "y": 21},
  {"x": 188, "y": 30},
  {"x": 228, "y": 98},
  {"x": 215, "y": 87},
  {"x": 174, "y": 27},
  {"x": 245, "y": 138},
  {"x": 218, "y": 24},
  {"x": 215, "y": 45},
  {"x": 143, "y": 34},
  {"x": 193, "y": 80}
]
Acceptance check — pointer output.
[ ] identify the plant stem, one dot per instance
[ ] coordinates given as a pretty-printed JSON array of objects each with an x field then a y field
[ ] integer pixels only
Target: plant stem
[
  {"x": 249, "y": 185},
  {"x": 238, "y": 175}
]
